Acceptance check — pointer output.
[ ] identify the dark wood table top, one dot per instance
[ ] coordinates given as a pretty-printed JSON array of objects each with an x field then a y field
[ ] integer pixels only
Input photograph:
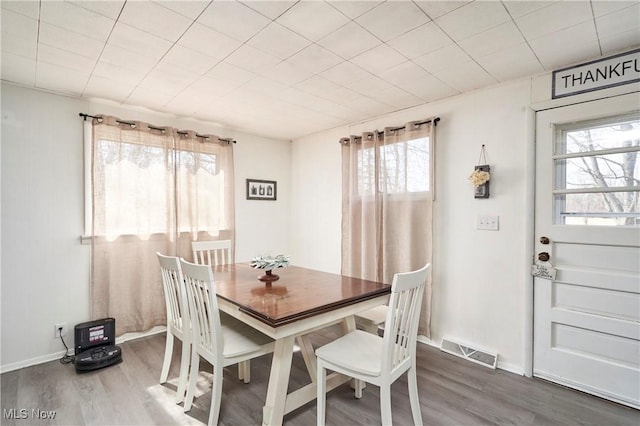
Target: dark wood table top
[{"x": 299, "y": 293}]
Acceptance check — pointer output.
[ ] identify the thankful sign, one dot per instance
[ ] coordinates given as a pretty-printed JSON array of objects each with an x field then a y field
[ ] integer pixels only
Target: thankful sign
[{"x": 607, "y": 72}]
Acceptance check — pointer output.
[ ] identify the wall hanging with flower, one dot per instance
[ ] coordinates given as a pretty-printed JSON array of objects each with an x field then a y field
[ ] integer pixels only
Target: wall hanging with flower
[{"x": 481, "y": 177}]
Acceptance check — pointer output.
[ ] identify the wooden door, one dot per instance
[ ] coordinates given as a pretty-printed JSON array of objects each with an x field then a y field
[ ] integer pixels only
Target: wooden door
[{"x": 587, "y": 222}]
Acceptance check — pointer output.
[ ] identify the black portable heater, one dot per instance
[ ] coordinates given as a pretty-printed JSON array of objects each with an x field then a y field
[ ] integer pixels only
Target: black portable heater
[{"x": 95, "y": 345}]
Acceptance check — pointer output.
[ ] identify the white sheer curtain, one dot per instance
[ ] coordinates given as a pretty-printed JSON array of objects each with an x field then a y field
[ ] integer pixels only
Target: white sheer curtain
[
  {"x": 387, "y": 204},
  {"x": 151, "y": 187}
]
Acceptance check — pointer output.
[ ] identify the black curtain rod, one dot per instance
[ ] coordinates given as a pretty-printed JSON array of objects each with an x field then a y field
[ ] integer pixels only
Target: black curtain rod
[
  {"x": 393, "y": 129},
  {"x": 180, "y": 132}
]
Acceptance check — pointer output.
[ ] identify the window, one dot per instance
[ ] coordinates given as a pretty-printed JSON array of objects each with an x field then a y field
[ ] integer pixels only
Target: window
[
  {"x": 403, "y": 168},
  {"x": 597, "y": 172}
]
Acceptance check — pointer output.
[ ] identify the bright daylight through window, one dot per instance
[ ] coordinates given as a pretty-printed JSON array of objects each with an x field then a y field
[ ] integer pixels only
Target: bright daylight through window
[
  {"x": 403, "y": 168},
  {"x": 597, "y": 172}
]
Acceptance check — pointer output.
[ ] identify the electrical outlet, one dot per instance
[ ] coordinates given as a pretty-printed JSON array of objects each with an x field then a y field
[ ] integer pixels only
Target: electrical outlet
[{"x": 57, "y": 327}]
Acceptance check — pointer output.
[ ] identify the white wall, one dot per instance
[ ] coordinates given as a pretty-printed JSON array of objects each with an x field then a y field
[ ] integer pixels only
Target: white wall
[
  {"x": 478, "y": 275},
  {"x": 45, "y": 269}
]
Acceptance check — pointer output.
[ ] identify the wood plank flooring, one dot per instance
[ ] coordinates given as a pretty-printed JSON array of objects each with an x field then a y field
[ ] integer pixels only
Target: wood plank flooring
[{"x": 452, "y": 392}]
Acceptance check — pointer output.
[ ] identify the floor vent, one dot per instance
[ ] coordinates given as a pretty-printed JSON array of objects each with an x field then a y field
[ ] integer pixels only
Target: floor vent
[{"x": 466, "y": 351}]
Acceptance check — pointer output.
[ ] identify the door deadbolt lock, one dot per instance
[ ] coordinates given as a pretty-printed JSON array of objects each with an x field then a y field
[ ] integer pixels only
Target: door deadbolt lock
[
  {"x": 544, "y": 240},
  {"x": 543, "y": 256}
]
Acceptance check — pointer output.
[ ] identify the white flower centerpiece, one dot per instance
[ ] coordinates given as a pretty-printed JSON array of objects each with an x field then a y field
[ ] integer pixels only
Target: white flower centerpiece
[{"x": 269, "y": 263}]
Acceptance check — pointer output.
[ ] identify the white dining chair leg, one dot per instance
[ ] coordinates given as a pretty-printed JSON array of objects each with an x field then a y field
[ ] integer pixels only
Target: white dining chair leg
[
  {"x": 193, "y": 378},
  {"x": 168, "y": 352},
  {"x": 216, "y": 395},
  {"x": 385, "y": 404},
  {"x": 413, "y": 396},
  {"x": 184, "y": 372},
  {"x": 245, "y": 367},
  {"x": 321, "y": 396}
]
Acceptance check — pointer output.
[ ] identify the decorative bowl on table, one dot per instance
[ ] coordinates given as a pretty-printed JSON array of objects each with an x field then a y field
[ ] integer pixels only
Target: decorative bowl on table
[{"x": 269, "y": 263}]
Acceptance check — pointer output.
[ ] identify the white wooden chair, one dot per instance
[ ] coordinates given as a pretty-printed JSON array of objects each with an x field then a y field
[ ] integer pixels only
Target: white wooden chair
[
  {"x": 380, "y": 360},
  {"x": 177, "y": 320},
  {"x": 220, "y": 344},
  {"x": 212, "y": 253}
]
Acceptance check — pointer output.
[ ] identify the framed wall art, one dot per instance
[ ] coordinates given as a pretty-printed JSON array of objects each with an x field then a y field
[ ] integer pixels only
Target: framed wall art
[{"x": 262, "y": 189}]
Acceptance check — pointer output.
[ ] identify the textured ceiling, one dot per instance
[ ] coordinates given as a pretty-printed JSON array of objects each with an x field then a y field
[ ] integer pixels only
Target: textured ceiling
[{"x": 285, "y": 69}]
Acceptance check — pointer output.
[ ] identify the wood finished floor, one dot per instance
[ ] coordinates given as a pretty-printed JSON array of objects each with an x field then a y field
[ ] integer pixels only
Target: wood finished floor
[{"x": 452, "y": 392}]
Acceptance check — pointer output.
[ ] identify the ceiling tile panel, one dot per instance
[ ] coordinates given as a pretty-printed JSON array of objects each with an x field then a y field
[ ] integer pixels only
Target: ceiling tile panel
[
  {"x": 465, "y": 77},
  {"x": 436, "y": 9},
  {"x": 188, "y": 8},
  {"x": 206, "y": 87},
  {"x": 227, "y": 73},
  {"x": 493, "y": 40},
  {"x": 106, "y": 88},
  {"x": 623, "y": 25},
  {"x": 519, "y": 8},
  {"x": 554, "y": 18},
  {"x": 349, "y": 41},
  {"x": 18, "y": 69},
  {"x": 278, "y": 41},
  {"x": 353, "y": 9},
  {"x": 150, "y": 98},
  {"x": 430, "y": 88},
  {"x": 154, "y": 19},
  {"x": 567, "y": 46},
  {"x": 197, "y": 62},
  {"x": 270, "y": 9},
  {"x": 137, "y": 61},
  {"x": 251, "y": 59},
  {"x": 323, "y": 63},
  {"x": 209, "y": 42},
  {"x": 169, "y": 78},
  {"x": 61, "y": 79},
  {"x": 510, "y": 63},
  {"x": 113, "y": 72},
  {"x": 303, "y": 19},
  {"x": 64, "y": 39},
  {"x": 391, "y": 19},
  {"x": 286, "y": 73},
  {"x": 345, "y": 73},
  {"x": 136, "y": 40},
  {"x": 19, "y": 34},
  {"x": 447, "y": 57},
  {"x": 63, "y": 58},
  {"x": 110, "y": 9},
  {"x": 472, "y": 19},
  {"x": 379, "y": 59},
  {"x": 422, "y": 40},
  {"x": 601, "y": 8},
  {"x": 233, "y": 19},
  {"x": 83, "y": 21},
  {"x": 314, "y": 59},
  {"x": 30, "y": 9}
]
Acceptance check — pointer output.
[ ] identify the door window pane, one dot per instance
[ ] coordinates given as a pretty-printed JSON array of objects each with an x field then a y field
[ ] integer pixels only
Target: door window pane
[{"x": 597, "y": 172}]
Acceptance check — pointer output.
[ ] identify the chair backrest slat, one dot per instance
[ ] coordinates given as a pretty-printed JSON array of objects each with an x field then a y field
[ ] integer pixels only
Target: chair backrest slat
[
  {"x": 212, "y": 253},
  {"x": 203, "y": 303},
  {"x": 174, "y": 290},
  {"x": 403, "y": 314}
]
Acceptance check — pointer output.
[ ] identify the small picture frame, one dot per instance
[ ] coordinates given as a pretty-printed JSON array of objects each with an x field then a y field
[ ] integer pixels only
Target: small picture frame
[{"x": 258, "y": 189}]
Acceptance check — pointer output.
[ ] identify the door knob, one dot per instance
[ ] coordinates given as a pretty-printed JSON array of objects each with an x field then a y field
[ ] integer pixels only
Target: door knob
[
  {"x": 543, "y": 256},
  {"x": 544, "y": 240}
]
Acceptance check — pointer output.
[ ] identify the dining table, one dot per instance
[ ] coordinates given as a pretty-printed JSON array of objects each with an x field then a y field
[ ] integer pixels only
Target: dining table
[{"x": 301, "y": 301}]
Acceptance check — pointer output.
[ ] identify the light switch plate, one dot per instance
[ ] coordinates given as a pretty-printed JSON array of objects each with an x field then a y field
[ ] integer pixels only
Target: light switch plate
[{"x": 488, "y": 223}]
